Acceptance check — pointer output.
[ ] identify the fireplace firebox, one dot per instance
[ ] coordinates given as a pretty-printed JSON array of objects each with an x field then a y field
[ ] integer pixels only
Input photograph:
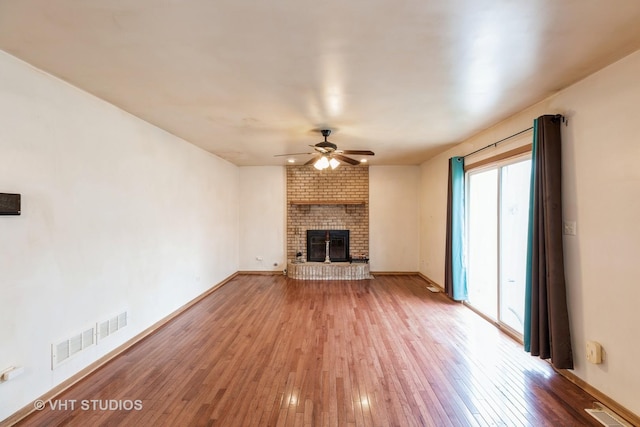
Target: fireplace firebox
[{"x": 338, "y": 245}]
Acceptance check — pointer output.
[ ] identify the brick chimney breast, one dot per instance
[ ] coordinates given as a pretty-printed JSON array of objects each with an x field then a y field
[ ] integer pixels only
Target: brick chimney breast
[{"x": 327, "y": 200}]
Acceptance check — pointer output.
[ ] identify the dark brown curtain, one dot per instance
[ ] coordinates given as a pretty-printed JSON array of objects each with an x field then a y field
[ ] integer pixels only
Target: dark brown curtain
[{"x": 546, "y": 318}]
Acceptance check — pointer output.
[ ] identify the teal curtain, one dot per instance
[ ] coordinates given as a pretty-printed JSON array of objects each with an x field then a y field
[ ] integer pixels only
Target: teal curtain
[
  {"x": 546, "y": 323},
  {"x": 455, "y": 280}
]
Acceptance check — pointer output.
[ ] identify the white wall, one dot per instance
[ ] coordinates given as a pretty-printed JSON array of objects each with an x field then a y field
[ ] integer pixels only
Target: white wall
[
  {"x": 116, "y": 214},
  {"x": 394, "y": 206},
  {"x": 262, "y": 218},
  {"x": 601, "y": 184}
]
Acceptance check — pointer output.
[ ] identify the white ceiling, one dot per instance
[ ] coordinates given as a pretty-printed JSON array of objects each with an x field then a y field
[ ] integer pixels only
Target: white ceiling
[{"x": 250, "y": 79}]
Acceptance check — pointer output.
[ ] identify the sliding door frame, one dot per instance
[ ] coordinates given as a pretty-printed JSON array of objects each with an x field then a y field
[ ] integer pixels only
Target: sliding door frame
[{"x": 499, "y": 161}]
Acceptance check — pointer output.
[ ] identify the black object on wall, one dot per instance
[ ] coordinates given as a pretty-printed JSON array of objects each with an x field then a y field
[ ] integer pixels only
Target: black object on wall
[{"x": 9, "y": 204}]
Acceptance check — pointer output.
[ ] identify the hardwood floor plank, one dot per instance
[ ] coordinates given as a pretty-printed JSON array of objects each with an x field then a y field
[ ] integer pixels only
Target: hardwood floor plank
[{"x": 270, "y": 351}]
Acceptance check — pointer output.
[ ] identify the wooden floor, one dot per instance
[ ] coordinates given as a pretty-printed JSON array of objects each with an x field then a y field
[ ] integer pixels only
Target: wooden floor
[{"x": 270, "y": 351}]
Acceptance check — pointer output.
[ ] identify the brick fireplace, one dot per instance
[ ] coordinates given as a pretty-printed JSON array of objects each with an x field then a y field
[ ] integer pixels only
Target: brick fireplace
[{"x": 327, "y": 200}]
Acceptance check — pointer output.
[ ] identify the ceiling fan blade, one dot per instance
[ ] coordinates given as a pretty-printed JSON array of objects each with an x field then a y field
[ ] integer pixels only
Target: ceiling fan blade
[
  {"x": 346, "y": 159},
  {"x": 311, "y": 160},
  {"x": 290, "y": 154},
  {"x": 359, "y": 152}
]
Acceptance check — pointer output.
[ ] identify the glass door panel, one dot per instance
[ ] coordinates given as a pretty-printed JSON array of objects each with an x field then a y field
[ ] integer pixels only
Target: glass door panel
[
  {"x": 482, "y": 250},
  {"x": 514, "y": 217}
]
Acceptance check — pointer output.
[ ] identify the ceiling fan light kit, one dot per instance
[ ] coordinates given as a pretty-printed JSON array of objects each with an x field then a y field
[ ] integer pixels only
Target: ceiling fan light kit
[
  {"x": 323, "y": 162},
  {"x": 327, "y": 154}
]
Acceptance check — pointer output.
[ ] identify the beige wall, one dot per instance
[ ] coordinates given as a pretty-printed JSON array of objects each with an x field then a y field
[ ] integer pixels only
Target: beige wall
[
  {"x": 601, "y": 183},
  {"x": 262, "y": 218},
  {"x": 117, "y": 215},
  {"x": 394, "y": 217}
]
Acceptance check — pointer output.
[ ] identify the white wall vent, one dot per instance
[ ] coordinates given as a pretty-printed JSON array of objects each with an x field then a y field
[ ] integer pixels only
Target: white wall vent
[
  {"x": 63, "y": 350},
  {"x": 606, "y": 416},
  {"x": 122, "y": 320},
  {"x": 75, "y": 344},
  {"x": 103, "y": 330},
  {"x": 114, "y": 324},
  {"x": 88, "y": 338}
]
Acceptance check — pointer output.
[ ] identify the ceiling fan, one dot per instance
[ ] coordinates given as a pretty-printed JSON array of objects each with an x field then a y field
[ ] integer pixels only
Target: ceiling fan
[{"x": 327, "y": 154}]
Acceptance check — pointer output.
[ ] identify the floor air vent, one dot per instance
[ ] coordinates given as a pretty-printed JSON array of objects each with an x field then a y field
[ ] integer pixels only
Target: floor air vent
[{"x": 606, "y": 416}]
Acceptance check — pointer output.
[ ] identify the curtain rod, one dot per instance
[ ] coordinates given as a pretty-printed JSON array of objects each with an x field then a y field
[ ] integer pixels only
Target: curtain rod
[{"x": 495, "y": 144}]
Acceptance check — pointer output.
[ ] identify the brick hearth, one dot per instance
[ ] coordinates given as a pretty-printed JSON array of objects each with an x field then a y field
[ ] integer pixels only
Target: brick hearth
[{"x": 333, "y": 271}]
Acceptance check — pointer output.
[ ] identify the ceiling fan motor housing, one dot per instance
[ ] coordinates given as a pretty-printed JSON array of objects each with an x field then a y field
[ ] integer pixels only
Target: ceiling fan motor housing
[{"x": 328, "y": 146}]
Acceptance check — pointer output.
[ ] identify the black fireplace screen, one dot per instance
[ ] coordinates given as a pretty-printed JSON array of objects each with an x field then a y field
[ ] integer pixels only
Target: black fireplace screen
[{"x": 338, "y": 245}]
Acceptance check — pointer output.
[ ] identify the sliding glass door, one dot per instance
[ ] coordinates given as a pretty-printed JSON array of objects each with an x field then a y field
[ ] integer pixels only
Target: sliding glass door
[
  {"x": 482, "y": 247},
  {"x": 497, "y": 220}
]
